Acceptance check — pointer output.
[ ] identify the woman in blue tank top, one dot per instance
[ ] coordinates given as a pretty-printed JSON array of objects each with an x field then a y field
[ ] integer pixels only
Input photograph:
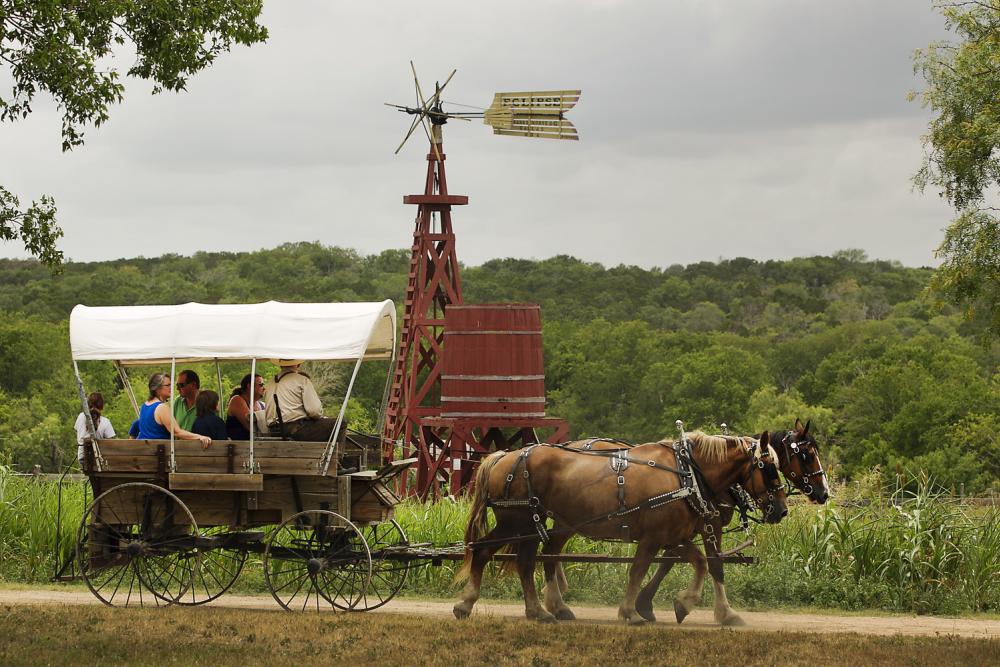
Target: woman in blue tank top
[{"x": 155, "y": 418}]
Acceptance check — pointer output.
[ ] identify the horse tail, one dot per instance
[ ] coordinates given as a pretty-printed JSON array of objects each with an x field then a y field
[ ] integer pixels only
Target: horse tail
[{"x": 478, "y": 524}]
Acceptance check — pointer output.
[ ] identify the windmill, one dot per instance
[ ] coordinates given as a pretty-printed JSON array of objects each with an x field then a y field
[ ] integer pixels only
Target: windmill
[{"x": 449, "y": 428}]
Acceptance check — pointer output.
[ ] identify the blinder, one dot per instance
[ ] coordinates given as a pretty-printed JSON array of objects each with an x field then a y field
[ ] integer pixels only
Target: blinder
[
  {"x": 805, "y": 456},
  {"x": 762, "y": 460}
]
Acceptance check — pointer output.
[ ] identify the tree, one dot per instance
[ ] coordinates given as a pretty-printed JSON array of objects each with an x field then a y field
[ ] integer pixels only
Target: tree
[
  {"x": 63, "y": 49},
  {"x": 961, "y": 158}
]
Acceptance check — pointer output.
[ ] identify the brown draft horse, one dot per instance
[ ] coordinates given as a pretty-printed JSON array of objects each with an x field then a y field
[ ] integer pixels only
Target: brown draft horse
[
  {"x": 586, "y": 494},
  {"x": 798, "y": 460}
]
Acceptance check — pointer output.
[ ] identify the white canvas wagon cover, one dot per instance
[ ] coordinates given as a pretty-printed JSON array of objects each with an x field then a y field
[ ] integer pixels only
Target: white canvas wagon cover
[{"x": 201, "y": 332}]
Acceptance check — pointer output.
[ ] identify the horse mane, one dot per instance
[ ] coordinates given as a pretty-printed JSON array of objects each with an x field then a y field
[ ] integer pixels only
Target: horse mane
[{"x": 713, "y": 447}]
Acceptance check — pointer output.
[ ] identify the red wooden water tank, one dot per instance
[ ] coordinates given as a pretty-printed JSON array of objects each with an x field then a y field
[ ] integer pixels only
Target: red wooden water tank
[{"x": 493, "y": 364}]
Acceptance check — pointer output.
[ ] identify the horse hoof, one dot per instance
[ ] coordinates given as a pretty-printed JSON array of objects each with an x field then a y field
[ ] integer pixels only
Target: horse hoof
[
  {"x": 545, "y": 618},
  {"x": 679, "y": 611},
  {"x": 565, "y": 614},
  {"x": 637, "y": 621},
  {"x": 460, "y": 611},
  {"x": 733, "y": 621},
  {"x": 646, "y": 613}
]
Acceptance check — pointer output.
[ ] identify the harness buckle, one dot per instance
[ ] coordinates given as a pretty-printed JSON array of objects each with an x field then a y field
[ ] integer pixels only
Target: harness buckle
[{"x": 621, "y": 480}]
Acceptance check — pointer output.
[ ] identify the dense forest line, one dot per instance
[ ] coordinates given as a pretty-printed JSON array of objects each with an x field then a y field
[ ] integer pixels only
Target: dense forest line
[{"x": 887, "y": 377}]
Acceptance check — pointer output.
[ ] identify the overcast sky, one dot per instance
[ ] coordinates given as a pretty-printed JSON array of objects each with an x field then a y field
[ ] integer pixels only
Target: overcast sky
[{"x": 709, "y": 128}]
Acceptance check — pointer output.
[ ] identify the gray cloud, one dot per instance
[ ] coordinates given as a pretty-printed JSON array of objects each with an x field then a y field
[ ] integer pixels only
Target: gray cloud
[{"x": 764, "y": 128}]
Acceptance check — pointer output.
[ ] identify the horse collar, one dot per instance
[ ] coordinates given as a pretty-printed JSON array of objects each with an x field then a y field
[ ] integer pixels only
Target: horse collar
[{"x": 690, "y": 478}]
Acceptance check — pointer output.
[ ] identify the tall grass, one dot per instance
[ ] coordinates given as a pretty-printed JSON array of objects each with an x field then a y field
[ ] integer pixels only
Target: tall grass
[
  {"x": 908, "y": 551},
  {"x": 28, "y": 525},
  {"x": 897, "y": 550}
]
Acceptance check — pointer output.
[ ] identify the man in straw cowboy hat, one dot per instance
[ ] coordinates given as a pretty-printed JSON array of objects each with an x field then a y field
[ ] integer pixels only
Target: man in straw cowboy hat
[{"x": 293, "y": 406}]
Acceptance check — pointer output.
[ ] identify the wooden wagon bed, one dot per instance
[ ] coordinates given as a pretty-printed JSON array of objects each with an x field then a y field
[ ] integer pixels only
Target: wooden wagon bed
[{"x": 218, "y": 487}]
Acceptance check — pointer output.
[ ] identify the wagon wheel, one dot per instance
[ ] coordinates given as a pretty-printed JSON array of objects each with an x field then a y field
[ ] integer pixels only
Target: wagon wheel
[
  {"x": 135, "y": 545},
  {"x": 317, "y": 558},
  {"x": 388, "y": 573},
  {"x": 220, "y": 567}
]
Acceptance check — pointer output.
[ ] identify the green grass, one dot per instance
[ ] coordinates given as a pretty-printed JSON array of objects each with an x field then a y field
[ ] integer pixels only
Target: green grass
[{"x": 908, "y": 552}]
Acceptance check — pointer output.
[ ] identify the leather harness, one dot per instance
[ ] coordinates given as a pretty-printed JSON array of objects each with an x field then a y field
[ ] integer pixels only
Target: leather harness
[{"x": 691, "y": 486}]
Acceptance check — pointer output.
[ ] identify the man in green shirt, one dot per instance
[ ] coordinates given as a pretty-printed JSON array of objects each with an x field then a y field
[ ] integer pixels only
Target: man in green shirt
[{"x": 188, "y": 385}]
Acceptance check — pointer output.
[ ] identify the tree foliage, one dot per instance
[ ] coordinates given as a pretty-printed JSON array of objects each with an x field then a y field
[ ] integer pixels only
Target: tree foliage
[
  {"x": 961, "y": 159},
  {"x": 67, "y": 51},
  {"x": 845, "y": 341}
]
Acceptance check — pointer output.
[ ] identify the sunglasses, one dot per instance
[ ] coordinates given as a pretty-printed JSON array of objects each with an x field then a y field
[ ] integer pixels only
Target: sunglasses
[{"x": 181, "y": 385}]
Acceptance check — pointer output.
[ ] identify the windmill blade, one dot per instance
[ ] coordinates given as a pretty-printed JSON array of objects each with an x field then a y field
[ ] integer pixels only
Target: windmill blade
[
  {"x": 416, "y": 83},
  {"x": 437, "y": 92},
  {"x": 413, "y": 126},
  {"x": 423, "y": 112},
  {"x": 430, "y": 137}
]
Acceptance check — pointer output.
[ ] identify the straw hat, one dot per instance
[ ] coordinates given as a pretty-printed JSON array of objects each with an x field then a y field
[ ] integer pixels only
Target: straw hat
[{"x": 285, "y": 363}]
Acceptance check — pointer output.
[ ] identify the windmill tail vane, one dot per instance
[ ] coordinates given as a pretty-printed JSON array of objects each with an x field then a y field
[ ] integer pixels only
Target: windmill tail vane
[
  {"x": 533, "y": 114},
  {"x": 536, "y": 114}
]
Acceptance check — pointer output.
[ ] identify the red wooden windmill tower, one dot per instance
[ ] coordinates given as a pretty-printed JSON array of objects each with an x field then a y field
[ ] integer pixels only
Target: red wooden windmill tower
[{"x": 468, "y": 378}]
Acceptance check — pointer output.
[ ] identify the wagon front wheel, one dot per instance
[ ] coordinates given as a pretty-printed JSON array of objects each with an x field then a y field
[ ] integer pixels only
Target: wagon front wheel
[
  {"x": 135, "y": 546},
  {"x": 221, "y": 557},
  {"x": 315, "y": 560},
  {"x": 387, "y": 542}
]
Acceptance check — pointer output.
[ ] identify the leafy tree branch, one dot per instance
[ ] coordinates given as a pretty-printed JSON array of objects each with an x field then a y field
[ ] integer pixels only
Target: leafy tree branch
[
  {"x": 962, "y": 154},
  {"x": 62, "y": 49}
]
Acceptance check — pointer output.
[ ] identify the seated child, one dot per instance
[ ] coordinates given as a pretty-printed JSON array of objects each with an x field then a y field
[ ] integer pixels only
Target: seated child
[{"x": 208, "y": 421}]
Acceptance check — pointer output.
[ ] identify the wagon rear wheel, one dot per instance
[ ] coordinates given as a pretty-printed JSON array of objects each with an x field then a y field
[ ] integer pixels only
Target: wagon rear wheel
[
  {"x": 388, "y": 574},
  {"x": 317, "y": 559},
  {"x": 136, "y": 546}
]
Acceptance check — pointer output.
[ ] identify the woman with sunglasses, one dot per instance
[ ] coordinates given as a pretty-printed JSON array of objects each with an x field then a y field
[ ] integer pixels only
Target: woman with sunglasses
[
  {"x": 155, "y": 419},
  {"x": 239, "y": 412}
]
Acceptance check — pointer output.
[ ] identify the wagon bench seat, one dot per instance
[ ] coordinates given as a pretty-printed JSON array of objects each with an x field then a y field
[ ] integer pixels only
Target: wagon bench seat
[{"x": 271, "y": 457}]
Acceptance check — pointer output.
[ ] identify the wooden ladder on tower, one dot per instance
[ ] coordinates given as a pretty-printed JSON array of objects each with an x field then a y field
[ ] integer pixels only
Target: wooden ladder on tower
[{"x": 393, "y": 421}]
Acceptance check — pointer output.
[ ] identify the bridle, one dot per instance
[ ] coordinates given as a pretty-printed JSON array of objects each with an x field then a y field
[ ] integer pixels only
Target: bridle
[
  {"x": 760, "y": 457},
  {"x": 804, "y": 454}
]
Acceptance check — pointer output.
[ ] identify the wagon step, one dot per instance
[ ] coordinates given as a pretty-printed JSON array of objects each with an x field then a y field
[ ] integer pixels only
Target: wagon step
[{"x": 229, "y": 540}]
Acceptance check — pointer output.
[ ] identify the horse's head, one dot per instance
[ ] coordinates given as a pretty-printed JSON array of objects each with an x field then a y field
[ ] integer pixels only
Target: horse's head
[
  {"x": 798, "y": 458},
  {"x": 763, "y": 482}
]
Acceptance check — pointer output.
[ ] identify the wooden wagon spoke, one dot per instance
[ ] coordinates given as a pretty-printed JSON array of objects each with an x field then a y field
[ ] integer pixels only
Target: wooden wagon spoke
[
  {"x": 335, "y": 562},
  {"x": 134, "y": 550}
]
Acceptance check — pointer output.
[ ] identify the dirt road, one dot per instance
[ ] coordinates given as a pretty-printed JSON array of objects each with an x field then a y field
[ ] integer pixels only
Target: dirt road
[{"x": 699, "y": 619}]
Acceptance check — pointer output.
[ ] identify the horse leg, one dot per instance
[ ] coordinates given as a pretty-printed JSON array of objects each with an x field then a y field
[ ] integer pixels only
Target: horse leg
[
  {"x": 561, "y": 578},
  {"x": 644, "y": 553},
  {"x": 689, "y": 598},
  {"x": 470, "y": 594},
  {"x": 724, "y": 614},
  {"x": 527, "y": 553},
  {"x": 644, "y": 602},
  {"x": 555, "y": 578}
]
